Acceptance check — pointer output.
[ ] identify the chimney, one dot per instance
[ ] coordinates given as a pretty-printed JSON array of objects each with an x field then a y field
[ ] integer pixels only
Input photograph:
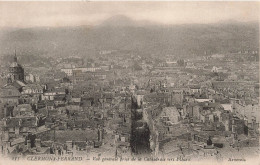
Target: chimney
[
  {"x": 29, "y": 144},
  {"x": 20, "y": 122},
  {"x": 65, "y": 124},
  {"x": 99, "y": 135},
  {"x": 69, "y": 145},
  {"x": 15, "y": 57},
  {"x": 38, "y": 144},
  {"x": 5, "y": 122},
  {"x": 8, "y": 144},
  {"x": 5, "y": 111},
  {"x": 6, "y": 136},
  {"x": 36, "y": 121}
]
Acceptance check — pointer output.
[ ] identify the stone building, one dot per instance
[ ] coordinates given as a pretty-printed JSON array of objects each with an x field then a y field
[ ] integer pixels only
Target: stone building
[{"x": 16, "y": 71}]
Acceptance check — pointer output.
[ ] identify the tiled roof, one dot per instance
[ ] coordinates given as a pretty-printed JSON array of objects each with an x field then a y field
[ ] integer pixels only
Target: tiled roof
[
  {"x": 24, "y": 107},
  {"x": 21, "y": 122}
]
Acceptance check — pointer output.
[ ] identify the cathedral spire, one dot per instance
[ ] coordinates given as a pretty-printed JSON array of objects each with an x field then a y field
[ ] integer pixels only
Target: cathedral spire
[
  {"x": 16, "y": 71},
  {"x": 15, "y": 57}
]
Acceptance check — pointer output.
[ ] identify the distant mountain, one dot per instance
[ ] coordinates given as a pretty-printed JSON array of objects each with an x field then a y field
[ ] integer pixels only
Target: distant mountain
[
  {"x": 118, "y": 20},
  {"x": 123, "y": 33},
  {"x": 124, "y": 21}
]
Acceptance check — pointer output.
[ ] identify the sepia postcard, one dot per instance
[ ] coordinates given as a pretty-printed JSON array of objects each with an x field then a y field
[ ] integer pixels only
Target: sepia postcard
[{"x": 120, "y": 82}]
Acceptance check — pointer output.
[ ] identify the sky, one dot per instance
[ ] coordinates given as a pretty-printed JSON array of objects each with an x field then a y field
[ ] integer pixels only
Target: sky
[{"x": 59, "y": 14}]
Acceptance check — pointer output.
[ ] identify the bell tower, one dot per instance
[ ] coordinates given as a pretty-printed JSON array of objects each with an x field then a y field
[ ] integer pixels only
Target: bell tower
[{"x": 16, "y": 71}]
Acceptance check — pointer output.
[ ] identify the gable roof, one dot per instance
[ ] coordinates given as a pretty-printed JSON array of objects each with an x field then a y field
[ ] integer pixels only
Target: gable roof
[{"x": 20, "y": 122}]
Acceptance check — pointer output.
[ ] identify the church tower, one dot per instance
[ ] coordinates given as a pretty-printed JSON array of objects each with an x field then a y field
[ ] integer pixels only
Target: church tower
[{"x": 16, "y": 71}]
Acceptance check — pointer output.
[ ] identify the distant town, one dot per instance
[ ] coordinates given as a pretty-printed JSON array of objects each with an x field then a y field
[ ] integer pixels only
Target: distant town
[{"x": 120, "y": 106}]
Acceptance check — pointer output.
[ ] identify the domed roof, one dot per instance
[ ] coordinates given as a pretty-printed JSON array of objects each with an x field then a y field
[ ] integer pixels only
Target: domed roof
[{"x": 15, "y": 64}]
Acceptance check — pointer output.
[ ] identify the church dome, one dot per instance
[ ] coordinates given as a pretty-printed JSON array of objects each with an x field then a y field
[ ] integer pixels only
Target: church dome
[
  {"x": 16, "y": 71},
  {"x": 15, "y": 64}
]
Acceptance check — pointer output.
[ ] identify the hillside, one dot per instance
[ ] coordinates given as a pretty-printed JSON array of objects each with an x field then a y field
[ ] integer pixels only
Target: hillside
[{"x": 122, "y": 33}]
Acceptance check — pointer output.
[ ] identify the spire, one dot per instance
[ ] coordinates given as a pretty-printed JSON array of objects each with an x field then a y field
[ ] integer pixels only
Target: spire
[{"x": 15, "y": 58}]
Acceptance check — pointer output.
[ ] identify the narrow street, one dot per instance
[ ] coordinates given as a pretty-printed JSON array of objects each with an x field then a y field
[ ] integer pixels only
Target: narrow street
[{"x": 140, "y": 133}]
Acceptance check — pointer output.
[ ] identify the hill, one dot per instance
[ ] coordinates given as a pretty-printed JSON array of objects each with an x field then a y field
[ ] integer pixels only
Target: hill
[{"x": 123, "y": 34}]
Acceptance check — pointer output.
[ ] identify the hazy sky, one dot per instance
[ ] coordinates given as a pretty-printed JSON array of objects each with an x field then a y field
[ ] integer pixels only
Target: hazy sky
[{"x": 29, "y": 14}]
